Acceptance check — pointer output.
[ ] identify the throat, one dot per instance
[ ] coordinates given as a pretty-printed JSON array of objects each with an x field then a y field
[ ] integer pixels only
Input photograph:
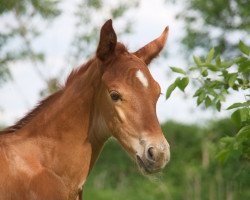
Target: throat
[{"x": 98, "y": 135}]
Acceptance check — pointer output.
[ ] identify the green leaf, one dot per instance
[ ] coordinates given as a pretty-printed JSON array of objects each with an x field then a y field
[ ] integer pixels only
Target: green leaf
[
  {"x": 212, "y": 67},
  {"x": 235, "y": 105},
  {"x": 201, "y": 98},
  {"x": 244, "y": 114},
  {"x": 232, "y": 79},
  {"x": 208, "y": 102},
  {"x": 240, "y": 59},
  {"x": 204, "y": 73},
  {"x": 218, "y": 106},
  {"x": 243, "y": 48},
  {"x": 182, "y": 83},
  {"x": 210, "y": 56},
  {"x": 197, "y": 60},
  {"x": 235, "y": 117},
  {"x": 198, "y": 92},
  {"x": 244, "y": 66},
  {"x": 227, "y": 64},
  {"x": 178, "y": 70},
  {"x": 218, "y": 60},
  {"x": 170, "y": 90},
  {"x": 244, "y": 135},
  {"x": 193, "y": 68},
  {"x": 244, "y": 132},
  {"x": 239, "y": 116}
]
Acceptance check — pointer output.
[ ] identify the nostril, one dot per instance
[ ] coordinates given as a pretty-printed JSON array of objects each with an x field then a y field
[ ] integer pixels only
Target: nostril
[{"x": 151, "y": 153}]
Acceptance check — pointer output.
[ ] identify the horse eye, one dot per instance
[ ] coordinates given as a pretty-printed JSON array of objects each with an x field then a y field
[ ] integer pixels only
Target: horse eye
[{"x": 115, "y": 96}]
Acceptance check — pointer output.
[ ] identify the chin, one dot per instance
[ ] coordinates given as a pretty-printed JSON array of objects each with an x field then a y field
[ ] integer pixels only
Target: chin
[{"x": 147, "y": 168}]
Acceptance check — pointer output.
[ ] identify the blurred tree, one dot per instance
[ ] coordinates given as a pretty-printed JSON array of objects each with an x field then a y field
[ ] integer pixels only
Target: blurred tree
[
  {"x": 21, "y": 24},
  {"x": 28, "y": 18},
  {"x": 219, "y": 23}
]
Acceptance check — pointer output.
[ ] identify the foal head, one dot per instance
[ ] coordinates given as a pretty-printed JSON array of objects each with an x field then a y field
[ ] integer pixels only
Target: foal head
[{"x": 129, "y": 95}]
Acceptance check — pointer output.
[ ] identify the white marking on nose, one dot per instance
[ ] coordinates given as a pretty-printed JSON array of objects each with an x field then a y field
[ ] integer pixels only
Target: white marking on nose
[{"x": 139, "y": 74}]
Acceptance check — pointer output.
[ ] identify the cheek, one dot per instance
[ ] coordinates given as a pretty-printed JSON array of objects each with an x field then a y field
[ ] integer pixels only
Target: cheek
[
  {"x": 114, "y": 118},
  {"x": 130, "y": 143}
]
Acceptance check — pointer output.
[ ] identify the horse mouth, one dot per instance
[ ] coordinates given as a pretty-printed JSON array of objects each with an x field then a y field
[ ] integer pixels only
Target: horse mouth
[{"x": 143, "y": 166}]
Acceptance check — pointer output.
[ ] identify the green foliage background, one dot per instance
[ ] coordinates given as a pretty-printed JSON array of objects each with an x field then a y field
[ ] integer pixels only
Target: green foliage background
[{"x": 194, "y": 172}]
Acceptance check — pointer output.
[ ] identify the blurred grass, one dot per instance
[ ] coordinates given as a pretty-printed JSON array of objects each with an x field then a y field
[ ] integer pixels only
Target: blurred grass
[{"x": 193, "y": 172}]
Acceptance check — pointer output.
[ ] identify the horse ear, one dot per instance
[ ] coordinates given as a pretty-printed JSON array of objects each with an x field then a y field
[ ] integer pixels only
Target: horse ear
[
  {"x": 152, "y": 49},
  {"x": 107, "y": 43}
]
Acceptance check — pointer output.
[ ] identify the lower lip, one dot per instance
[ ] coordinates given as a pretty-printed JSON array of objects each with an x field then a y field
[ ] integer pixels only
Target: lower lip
[{"x": 142, "y": 165}]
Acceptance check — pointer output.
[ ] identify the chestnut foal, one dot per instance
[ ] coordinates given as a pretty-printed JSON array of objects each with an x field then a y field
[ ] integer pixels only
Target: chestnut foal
[{"x": 49, "y": 153}]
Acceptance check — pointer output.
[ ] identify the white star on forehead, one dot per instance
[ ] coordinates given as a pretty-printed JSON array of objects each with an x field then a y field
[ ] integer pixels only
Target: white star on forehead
[{"x": 139, "y": 74}]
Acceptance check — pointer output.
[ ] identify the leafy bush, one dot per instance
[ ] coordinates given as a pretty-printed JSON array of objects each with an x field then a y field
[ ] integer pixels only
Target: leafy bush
[{"x": 216, "y": 79}]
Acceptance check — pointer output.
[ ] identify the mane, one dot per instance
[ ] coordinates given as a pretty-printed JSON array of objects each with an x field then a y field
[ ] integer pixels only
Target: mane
[
  {"x": 78, "y": 71},
  {"x": 30, "y": 115},
  {"x": 46, "y": 101},
  {"x": 120, "y": 49}
]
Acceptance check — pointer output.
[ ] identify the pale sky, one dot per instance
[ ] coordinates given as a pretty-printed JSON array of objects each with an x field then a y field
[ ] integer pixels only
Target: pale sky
[{"x": 17, "y": 98}]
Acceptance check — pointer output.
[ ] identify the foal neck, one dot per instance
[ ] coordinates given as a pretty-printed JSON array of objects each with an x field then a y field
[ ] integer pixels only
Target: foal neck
[
  {"x": 84, "y": 90},
  {"x": 89, "y": 90},
  {"x": 74, "y": 111}
]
